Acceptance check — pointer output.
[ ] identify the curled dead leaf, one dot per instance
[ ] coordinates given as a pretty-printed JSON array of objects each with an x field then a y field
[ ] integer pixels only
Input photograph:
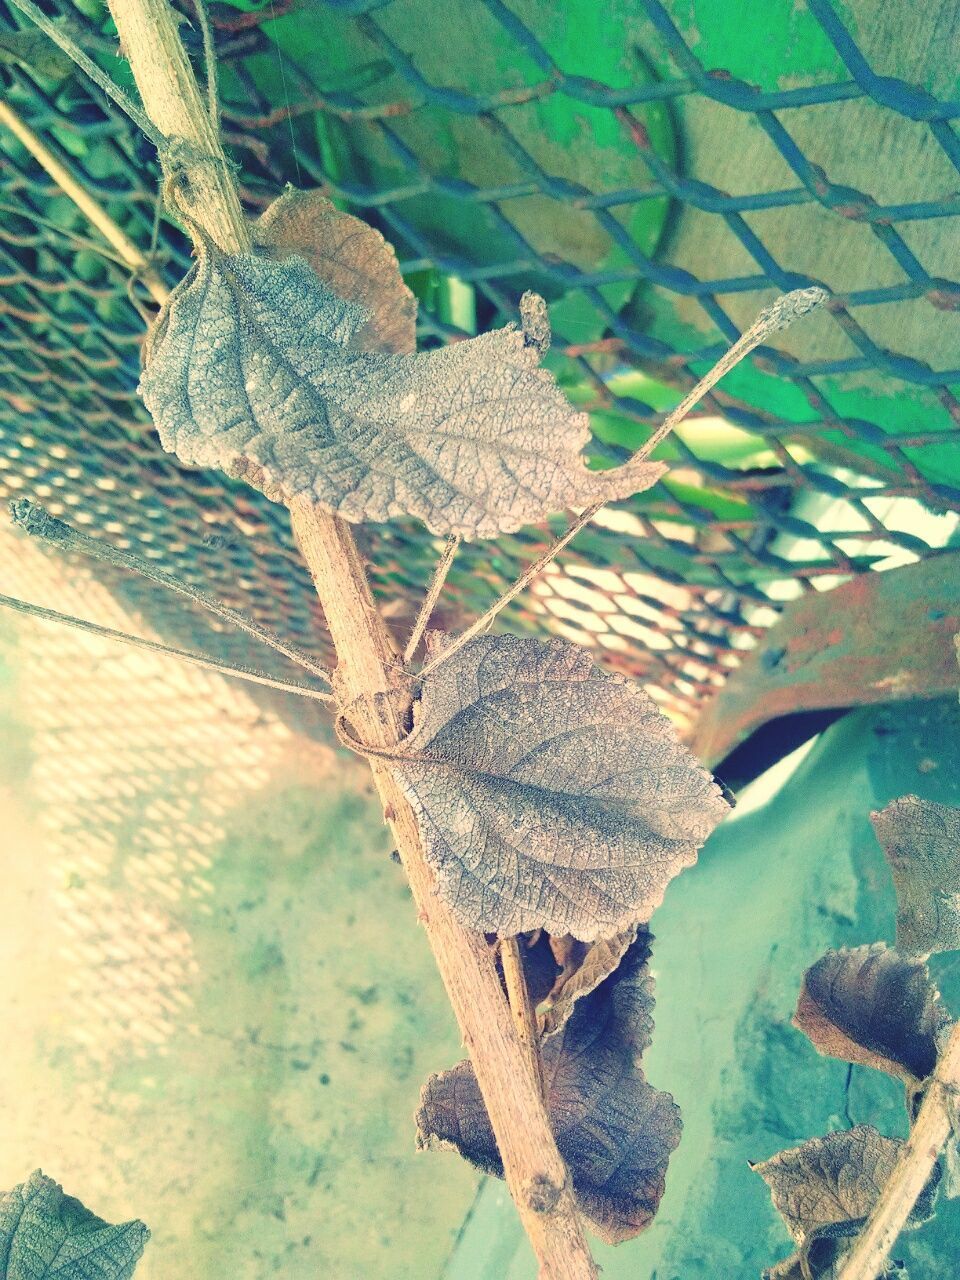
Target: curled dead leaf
[
  {"x": 613, "y": 1129},
  {"x": 351, "y": 258},
  {"x": 587, "y": 966},
  {"x": 869, "y": 1005}
]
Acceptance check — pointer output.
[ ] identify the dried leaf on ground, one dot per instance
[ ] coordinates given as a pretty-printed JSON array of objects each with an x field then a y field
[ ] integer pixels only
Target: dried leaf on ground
[
  {"x": 351, "y": 258},
  {"x": 614, "y": 1130},
  {"x": 45, "y": 1235},
  {"x": 869, "y": 1005},
  {"x": 826, "y": 1188},
  {"x": 252, "y": 368},
  {"x": 550, "y": 794},
  {"x": 921, "y": 840}
]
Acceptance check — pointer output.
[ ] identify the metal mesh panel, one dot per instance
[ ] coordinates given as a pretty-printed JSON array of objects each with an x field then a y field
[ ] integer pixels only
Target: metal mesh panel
[{"x": 850, "y": 429}]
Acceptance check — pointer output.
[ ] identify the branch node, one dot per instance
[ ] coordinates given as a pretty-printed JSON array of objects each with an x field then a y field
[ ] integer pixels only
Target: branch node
[{"x": 542, "y": 1193}]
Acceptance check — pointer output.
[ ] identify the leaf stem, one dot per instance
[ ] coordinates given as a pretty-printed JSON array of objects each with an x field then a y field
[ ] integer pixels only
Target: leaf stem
[
  {"x": 204, "y": 660},
  {"x": 95, "y": 213},
  {"x": 787, "y": 308},
  {"x": 379, "y": 699},
  {"x": 911, "y": 1173},
  {"x": 32, "y": 518},
  {"x": 521, "y": 1006},
  {"x": 432, "y": 596}
]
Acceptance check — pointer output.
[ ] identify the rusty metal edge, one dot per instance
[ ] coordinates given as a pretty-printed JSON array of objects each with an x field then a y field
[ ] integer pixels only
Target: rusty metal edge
[{"x": 882, "y": 637}]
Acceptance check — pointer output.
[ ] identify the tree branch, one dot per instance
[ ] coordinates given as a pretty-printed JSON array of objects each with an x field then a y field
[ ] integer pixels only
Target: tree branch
[
  {"x": 430, "y": 599},
  {"x": 376, "y": 696},
  {"x": 911, "y": 1173}
]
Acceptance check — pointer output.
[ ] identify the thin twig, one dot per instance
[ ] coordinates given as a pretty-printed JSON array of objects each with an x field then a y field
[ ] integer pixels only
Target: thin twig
[
  {"x": 73, "y": 51},
  {"x": 205, "y": 660},
  {"x": 787, "y": 308},
  {"x": 31, "y": 517},
  {"x": 521, "y": 1006},
  {"x": 928, "y": 1134},
  {"x": 430, "y": 599},
  {"x": 128, "y": 252},
  {"x": 209, "y": 63},
  {"x": 528, "y": 575}
]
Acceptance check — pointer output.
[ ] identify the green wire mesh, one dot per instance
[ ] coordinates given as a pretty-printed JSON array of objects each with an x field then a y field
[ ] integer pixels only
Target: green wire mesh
[{"x": 659, "y": 172}]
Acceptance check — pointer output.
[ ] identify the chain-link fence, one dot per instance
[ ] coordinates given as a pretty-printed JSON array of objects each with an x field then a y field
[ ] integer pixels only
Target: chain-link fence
[{"x": 659, "y": 171}]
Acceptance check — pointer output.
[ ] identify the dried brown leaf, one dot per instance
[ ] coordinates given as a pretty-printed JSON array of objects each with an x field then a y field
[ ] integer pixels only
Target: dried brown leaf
[
  {"x": 827, "y": 1187},
  {"x": 587, "y": 967},
  {"x": 869, "y": 1005},
  {"x": 550, "y": 794},
  {"x": 921, "y": 841},
  {"x": 251, "y": 368},
  {"x": 614, "y": 1130},
  {"x": 350, "y": 257}
]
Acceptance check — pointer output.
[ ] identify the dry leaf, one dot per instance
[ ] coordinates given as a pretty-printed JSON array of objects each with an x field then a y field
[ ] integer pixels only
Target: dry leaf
[
  {"x": 45, "y": 1235},
  {"x": 789, "y": 1269},
  {"x": 351, "y": 258},
  {"x": 826, "y": 1188},
  {"x": 550, "y": 794},
  {"x": 831, "y": 1180},
  {"x": 569, "y": 953},
  {"x": 587, "y": 967},
  {"x": 870, "y": 1005},
  {"x": 252, "y": 368},
  {"x": 921, "y": 840},
  {"x": 613, "y": 1129}
]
